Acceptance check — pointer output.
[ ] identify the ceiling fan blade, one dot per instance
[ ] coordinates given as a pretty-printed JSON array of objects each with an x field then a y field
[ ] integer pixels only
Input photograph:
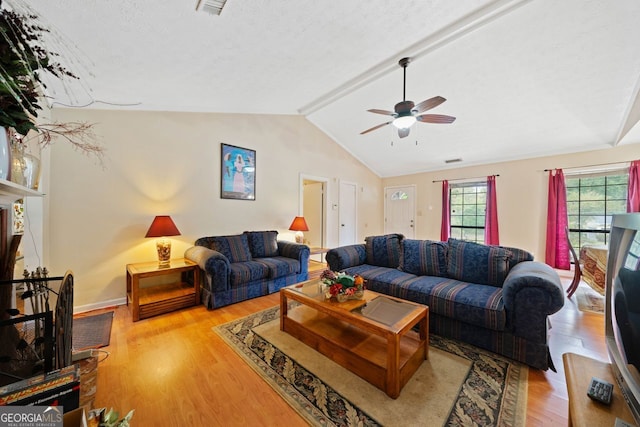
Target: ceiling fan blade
[
  {"x": 385, "y": 112},
  {"x": 374, "y": 128},
  {"x": 429, "y": 104},
  {"x": 435, "y": 118},
  {"x": 403, "y": 132}
]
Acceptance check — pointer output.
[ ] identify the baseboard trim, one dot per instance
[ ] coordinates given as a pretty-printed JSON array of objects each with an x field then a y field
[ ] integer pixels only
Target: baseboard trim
[{"x": 99, "y": 305}]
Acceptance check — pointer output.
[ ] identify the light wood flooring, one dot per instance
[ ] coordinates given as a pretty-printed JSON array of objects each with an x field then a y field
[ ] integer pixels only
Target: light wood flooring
[{"x": 175, "y": 371}]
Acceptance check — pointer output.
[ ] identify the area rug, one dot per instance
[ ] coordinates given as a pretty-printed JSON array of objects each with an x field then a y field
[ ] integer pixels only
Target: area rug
[
  {"x": 589, "y": 300},
  {"x": 92, "y": 331},
  {"x": 459, "y": 385}
]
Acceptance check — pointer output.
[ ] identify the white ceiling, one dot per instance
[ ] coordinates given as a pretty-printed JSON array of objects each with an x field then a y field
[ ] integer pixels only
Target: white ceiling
[{"x": 524, "y": 78}]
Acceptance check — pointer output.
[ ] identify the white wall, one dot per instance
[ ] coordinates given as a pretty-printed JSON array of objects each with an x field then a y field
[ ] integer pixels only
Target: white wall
[
  {"x": 169, "y": 163},
  {"x": 521, "y": 190}
]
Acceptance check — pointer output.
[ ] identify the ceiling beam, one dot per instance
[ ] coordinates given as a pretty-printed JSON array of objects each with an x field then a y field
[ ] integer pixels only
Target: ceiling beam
[
  {"x": 447, "y": 35},
  {"x": 632, "y": 114}
]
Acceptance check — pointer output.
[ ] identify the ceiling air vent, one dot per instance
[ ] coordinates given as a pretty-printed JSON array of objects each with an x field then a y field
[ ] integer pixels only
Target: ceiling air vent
[
  {"x": 213, "y": 7},
  {"x": 453, "y": 160}
]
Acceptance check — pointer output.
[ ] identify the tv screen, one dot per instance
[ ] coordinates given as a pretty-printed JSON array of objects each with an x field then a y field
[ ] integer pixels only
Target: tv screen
[{"x": 622, "y": 309}]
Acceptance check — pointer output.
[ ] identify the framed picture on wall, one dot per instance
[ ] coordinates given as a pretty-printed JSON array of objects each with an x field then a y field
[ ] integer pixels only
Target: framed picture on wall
[{"x": 237, "y": 173}]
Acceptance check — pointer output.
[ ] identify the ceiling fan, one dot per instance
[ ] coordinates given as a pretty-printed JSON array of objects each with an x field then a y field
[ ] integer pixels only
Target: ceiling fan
[{"x": 407, "y": 113}]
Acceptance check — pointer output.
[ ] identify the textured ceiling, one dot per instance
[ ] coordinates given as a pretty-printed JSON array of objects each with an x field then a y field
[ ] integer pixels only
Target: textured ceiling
[{"x": 524, "y": 78}]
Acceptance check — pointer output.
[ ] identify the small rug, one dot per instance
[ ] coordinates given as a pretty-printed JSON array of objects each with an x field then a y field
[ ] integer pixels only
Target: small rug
[
  {"x": 589, "y": 300},
  {"x": 459, "y": 385},
  {"x": 92, "y": 331}
]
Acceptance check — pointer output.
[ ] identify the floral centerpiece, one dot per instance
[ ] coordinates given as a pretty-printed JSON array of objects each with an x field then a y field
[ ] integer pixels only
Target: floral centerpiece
[{"x": 343, "y": 286}]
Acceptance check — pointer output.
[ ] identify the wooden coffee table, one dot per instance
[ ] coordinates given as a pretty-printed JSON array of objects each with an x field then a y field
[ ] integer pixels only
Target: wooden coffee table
[{"x": 386, "y": 353}]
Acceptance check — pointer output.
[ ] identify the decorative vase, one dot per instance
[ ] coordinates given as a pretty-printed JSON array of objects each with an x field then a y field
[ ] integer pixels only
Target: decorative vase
[
  {"x": 359, "y": 294},
  {"x": 5, "y": 153},
  {"x": 17, "y": 162},
  {"x": 31, "y": 171}
]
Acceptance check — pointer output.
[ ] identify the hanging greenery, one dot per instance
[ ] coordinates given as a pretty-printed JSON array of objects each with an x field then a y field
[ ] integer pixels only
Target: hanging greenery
[{"x": 24, "y": 58}]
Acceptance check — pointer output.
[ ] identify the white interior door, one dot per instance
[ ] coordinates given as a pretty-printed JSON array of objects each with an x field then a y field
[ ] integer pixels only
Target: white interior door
[
  {"x": 347, "y": 213},
  {"x": 313, "y": 212},
  {"x": 400, "y": 208}
]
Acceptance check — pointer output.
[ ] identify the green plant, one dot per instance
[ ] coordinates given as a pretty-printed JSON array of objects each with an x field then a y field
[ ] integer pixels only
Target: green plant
[
  {"x": 110, "y": 419},
  {"x": 23, "y": 57}
]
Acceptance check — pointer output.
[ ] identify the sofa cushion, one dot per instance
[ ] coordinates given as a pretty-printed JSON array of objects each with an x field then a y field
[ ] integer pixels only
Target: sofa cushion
[
  {"x": 235, "y": 248},
  {"x": 244, "y": 272},
  {"x": 470, "y": 303},
  {"x": 262, "y": 243},
  {"x": 383, "y": 251},
  {"x": 475, "y": 263},
  {"x": 280, "y": 266},
  {"x": 424, "y": 257}
]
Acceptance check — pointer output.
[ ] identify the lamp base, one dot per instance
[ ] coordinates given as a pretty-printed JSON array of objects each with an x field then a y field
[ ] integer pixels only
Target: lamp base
[
  {"x": 164, "y": 252},
  {"x": 299, "y": 237}
]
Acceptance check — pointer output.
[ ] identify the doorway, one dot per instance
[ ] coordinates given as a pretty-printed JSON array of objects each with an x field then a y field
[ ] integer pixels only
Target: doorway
[
  {"x": 399, "y": 207},
  {"x": 313, "y": 208},
  {"x": 348, "y": 213}
]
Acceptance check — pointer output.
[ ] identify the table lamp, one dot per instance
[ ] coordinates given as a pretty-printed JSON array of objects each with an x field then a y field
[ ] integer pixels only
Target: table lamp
[
  {"x": 299, "y": 225},
  {"x": 163, "y": 226}
]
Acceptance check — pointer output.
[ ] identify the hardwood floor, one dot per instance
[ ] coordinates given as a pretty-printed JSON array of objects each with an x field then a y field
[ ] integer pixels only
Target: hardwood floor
[{"x": 175, "y": 371}]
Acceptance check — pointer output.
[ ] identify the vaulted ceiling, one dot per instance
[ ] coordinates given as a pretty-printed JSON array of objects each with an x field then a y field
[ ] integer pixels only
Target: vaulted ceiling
[{"x": 524, "y": 78}]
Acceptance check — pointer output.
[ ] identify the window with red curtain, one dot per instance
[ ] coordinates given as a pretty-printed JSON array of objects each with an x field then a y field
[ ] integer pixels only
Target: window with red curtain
[
  {"x": 467, "y": 209},
  {"x": 491, "y": 235},
  {"x": 633, "y": 191},
  {"x": 557, "y": 247},
  {"x": 446, "y": 212}
]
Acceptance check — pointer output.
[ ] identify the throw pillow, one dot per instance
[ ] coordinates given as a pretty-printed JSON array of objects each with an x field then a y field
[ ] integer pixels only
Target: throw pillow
[
  {"x": 475, "y": 263},
  {"x": 517, "y": 255},
  {"x": 383, "y": 251},
  {"x": 235, "y": 248},
  {"x": 263, "y": 244},
  {"x": 424, "y": 257}
]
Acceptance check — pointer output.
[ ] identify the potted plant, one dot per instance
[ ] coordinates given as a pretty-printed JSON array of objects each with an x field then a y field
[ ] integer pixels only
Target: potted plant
[{"x": 24, "y": 59}]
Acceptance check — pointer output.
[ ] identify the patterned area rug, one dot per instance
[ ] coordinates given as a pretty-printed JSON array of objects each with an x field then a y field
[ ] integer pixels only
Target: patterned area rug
[
  {"x": 92, "y": 331},
  {"x": 589, "y": 300},
  {"x": 459, "y": 385}
]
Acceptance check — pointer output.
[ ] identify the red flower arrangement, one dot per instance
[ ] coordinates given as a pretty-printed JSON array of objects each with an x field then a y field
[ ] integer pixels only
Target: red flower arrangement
[{"x": 342, "y": 283}]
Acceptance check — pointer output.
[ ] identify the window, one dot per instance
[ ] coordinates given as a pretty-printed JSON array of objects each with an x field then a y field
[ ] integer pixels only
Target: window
[
  {"x": 399, "y": 195},
  {"x": 468, "y": 207},
  {"x": 591, "y": 201}
]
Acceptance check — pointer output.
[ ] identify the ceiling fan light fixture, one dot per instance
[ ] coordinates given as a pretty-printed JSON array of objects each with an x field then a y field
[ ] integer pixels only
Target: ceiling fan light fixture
[{"x": 404, "y": 122}]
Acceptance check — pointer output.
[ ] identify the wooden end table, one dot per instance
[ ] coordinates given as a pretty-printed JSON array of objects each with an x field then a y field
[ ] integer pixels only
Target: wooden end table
[
  {"x": 385, "y": 355},
  {"x": 162, "y": 298}
]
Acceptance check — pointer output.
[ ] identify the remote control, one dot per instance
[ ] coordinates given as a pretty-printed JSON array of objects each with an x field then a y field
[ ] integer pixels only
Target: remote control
[{"x": 600, "y": 390}]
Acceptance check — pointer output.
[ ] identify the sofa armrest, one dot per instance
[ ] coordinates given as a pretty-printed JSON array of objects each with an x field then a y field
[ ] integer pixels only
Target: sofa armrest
[
  {"x": 345, "y": 257},
  {"x": 295, "y": 251},
  {"x": 531, "y": 292},
  {"x": 216, "y": 266}
]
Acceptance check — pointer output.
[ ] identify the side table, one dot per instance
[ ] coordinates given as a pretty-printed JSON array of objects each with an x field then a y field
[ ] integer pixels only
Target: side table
[{"x": 162, "y": 298}]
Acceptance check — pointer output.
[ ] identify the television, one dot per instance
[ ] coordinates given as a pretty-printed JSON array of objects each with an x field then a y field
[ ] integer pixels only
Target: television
[{"x": 622, "y": 307}]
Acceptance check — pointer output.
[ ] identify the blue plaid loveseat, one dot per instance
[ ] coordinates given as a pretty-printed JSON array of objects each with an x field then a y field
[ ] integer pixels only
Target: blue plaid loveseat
[
  {"x": 493, "y": 297},
  {"x": 248, "y": 265}
]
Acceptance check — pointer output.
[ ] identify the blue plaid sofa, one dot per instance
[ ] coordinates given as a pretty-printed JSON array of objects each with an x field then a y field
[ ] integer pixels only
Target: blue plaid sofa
[
  {"x": 248, "y": 265},
  {"x": 493, "y": 297}
]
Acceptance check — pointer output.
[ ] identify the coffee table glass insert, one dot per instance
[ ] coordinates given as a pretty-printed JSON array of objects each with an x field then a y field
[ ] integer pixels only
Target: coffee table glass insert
[{"x": 372, "y": 337}]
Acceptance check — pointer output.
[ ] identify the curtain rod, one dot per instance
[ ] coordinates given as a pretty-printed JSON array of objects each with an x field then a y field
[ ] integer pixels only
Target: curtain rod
[
  {"x": 590, "y": 166},
  {"x": 462, "y": 179}
]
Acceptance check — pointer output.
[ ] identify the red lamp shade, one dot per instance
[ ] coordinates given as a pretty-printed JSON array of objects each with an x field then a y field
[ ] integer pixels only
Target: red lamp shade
[
  {"x": 299, "y": 224},
  {"x": 162, "y": 226}
]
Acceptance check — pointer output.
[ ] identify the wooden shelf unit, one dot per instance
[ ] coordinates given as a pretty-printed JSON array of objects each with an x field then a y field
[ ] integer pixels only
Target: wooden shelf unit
[
  {"x": 165, "y": 297},
  {"x": 583, "y": 411}
]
